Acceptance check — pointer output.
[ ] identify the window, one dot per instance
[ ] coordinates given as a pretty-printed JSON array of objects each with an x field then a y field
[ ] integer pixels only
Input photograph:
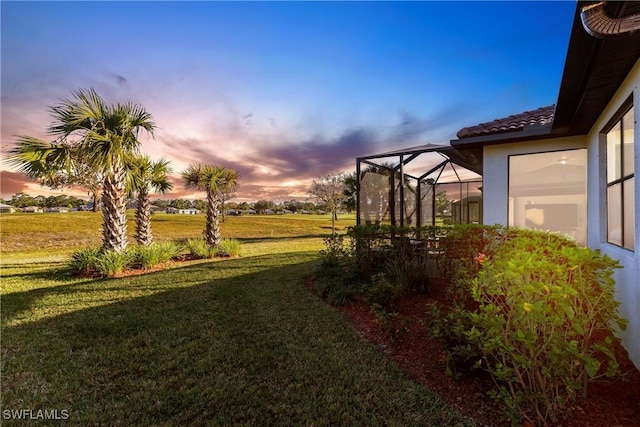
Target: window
[
  {"x": 620, "y": 181},
  {"x": 548, "y": 191}
]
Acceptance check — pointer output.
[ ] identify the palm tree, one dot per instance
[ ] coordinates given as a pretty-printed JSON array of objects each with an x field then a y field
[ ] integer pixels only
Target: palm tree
[
  {"x": 215, "y": 181},
  {"x": 102, "y": 134},
  {"x": 146, "y": 175}
]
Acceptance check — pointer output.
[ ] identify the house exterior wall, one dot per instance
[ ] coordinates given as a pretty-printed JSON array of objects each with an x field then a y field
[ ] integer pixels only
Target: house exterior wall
[
  {"x": 627, "y": 278},
  {"x": 496, "y": 201}
]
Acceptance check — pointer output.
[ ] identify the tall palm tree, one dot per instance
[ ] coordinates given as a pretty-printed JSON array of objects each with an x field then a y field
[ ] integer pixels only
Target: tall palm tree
[
  {"x": 215, "y": 181},
  {"x": 146, "y": 175},
  {"x": 102, "y": 134}
]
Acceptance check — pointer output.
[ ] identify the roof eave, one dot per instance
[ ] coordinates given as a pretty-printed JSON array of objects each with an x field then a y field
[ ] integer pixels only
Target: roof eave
[{"x": 527, "y": 133}]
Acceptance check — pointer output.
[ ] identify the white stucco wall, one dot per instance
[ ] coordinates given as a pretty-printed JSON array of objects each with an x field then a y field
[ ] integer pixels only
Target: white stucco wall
[
  {"x": 495, "y": 200},
  {"x": 627, "y": 278}
]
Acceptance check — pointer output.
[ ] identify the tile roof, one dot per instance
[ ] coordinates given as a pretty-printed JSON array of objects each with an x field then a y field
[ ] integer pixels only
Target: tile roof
[{"x": 517, "y": 122}]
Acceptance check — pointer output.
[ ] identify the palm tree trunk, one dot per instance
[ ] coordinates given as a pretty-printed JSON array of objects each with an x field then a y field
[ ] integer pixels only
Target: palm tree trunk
[
  {"x": 212, "y": 229},
  {"x": 114, "y": 210},
  {"x": 143, "y": 219}
]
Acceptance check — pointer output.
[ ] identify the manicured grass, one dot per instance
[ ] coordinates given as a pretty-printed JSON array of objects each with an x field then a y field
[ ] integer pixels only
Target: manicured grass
[
  {"x": 224, "y": 342},
  {"x": 64, "y": 233}
]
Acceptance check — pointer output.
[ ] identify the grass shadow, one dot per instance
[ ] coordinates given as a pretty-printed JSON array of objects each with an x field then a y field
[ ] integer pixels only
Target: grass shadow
[{"x": 238, "y": 342}]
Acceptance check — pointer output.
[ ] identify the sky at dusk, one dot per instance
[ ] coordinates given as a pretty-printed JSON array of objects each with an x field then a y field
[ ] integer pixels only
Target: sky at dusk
[{"x": 283, "y": 92}]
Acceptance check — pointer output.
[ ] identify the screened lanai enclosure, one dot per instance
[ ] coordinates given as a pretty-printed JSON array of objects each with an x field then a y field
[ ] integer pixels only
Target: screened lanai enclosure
[{"x": 420, "y": 186}]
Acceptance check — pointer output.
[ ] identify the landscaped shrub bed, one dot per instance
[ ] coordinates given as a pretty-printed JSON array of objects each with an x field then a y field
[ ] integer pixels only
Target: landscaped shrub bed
[
  {"x": 95, "y": 262},
  {"x": 532, "y": 309}
]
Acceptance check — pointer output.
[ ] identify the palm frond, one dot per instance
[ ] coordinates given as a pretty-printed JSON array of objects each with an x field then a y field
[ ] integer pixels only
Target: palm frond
[
  {"x": 191, "y": 177},
  {"x": 145, "y": 174},
  {"x": 39, "y": 159}
]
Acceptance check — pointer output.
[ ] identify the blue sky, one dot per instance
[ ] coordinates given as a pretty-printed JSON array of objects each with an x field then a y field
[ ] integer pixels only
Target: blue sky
[{"x": 284, "y": 92}]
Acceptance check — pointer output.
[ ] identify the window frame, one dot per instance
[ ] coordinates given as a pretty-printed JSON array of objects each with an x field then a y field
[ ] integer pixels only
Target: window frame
[
  {"x": 550, "y": 151},
  {"x": 623, "y": 178}
]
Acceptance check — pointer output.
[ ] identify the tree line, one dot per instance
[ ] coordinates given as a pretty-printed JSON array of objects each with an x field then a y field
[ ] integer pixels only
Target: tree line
[{"x": 21, "y": 200}]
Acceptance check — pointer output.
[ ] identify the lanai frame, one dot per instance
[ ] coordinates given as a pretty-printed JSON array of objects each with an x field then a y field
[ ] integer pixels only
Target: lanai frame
[{"x": 459, "y": 160}]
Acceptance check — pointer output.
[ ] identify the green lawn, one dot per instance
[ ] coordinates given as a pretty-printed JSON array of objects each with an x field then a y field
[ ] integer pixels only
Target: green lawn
[{"x": 223, "y": 342}]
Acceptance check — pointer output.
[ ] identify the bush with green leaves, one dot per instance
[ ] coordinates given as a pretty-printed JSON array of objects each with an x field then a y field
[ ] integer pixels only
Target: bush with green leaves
[
  {"x": 384, "y": 292},
  {"x": 405, "y": 268},
  {"x": 544, "y": 322},
  {"x": 84, "y": 261},
  {"x": 336, "y": 251},
  {"x": 450, "y": 327},
  {"x": 228, "y": 248},
  {"x": 111, "y": 263},
  {"x": 150, "y": 256},
  {"x": 394, "y": 325},
  {"x": 370, "y": 246},
  {"x": 198, "y": 248},
  {"x": 336, "y": 278}
]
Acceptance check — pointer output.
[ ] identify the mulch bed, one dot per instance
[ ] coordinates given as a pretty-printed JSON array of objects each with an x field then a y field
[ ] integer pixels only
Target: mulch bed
[{"x": 611, "y": 402}]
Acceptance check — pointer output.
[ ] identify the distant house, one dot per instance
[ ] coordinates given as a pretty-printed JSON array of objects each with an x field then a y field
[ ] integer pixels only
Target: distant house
[
  {"x": 232, "y": 212},
  {"x": 570, "y": 167},
  {"x": 305, "y": 212},
  {"x": 58, "y": 209},
  {"x": 286, "y": 211},
  {"x": 270, "y": 212},
  {"x": 32, "y": 209},
  {"x": 188, "y": 211},
  {"x": 4, "y": 208},
  {"x": 251, "y": 211}
]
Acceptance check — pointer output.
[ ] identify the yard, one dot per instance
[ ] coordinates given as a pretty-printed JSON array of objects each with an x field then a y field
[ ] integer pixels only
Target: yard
[{"x": 224, "y": 342}]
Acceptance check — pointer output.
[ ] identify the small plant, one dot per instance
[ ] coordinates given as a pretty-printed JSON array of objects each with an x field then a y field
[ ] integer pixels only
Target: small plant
[
  {"x": 394, "y": 325},
  {"x": 228, "y": 248},
  {"x": 198, "y": 248},
  {"x": 111, "y": 263},
  {"x": 405, "y": 268},
  {"x": 84, "y": 261},
  {"x": 149, "y": 256},
  {"x": 335, "y": 252},
  {"x": 383, "y": 292},
  {"x": 450, "y": 327},
  {"x": 169, "y": 250},
  {"x": 334, "y": 290}
]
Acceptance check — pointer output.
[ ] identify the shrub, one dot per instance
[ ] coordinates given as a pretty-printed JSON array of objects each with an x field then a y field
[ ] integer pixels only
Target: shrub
[
  {"x": 154, "y": 254},
  {"x": 169, "y": 250},
  {"x": 543, "y": 323},
  {"x": 384, "y": 292},
  {"x": 370, "y": 246},
  {"x": 228, "y": 248},
  {"x": 335, "y": 290},
  {"x": 407, "y": 270},
  {"x": 450, "y": 327},
  {"x": 84, "y": 261},
  {"x": 335, "y": 252},
  {"x": 198, "y": 248},
  {"x": 336, "y": 279},
  {"x": 461, "y": 245},
  {"x": 111, "y": 263},
  {"x": 394, "y": 325}
]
